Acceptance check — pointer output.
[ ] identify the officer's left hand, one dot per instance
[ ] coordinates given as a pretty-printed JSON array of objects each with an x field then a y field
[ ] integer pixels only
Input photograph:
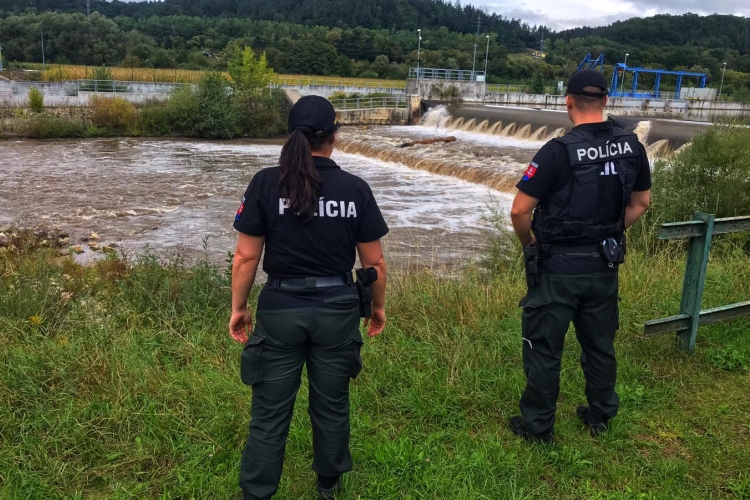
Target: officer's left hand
[{"x": 241, "y": 325}]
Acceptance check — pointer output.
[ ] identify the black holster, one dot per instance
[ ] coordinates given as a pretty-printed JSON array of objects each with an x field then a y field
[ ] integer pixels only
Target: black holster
[
  {"x": 531, "y": 263},
  {"x": 365, "y": 279},
  {"x": 613, "y": 250}
]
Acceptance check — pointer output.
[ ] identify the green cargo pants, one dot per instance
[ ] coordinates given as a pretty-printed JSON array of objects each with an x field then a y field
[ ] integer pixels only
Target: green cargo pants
[
  {"x": 590, "y": 302},
  {"x": 319, "y": 328}
]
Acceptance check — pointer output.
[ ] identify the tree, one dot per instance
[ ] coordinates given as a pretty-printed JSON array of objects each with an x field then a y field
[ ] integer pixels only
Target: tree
[
  {"x": 218, "y": 117},
  {"x": 251, "y": 76},
  {"x": 537, "y": 84}
]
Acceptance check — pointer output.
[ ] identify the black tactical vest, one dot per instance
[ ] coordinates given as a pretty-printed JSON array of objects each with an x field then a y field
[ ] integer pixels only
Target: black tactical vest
[{"x": 572, "y": 213}]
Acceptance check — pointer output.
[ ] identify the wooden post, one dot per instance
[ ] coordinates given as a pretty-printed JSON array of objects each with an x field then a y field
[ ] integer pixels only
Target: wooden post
[{"x": 695, "y": 279}]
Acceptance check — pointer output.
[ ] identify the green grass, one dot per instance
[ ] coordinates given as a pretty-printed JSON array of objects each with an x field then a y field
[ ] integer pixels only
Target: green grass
[{"x": 118, "y": 380}]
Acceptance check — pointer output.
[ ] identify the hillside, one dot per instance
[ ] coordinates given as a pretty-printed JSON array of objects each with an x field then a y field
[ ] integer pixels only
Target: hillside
[
  {"x": 710, "y": 32},
  {"x": 364, "y": 38},
  {"x": 371, "y": 14}
]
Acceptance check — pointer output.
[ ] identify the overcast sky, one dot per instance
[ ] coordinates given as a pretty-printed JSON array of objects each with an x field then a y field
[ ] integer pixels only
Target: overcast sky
[{"x": 565, "y": 14}]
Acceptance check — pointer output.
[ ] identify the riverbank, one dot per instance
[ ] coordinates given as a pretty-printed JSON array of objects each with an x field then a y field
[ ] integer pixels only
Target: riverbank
[
  {"x": 215, "y": 108},
  {"x": 118, "y": 380}
]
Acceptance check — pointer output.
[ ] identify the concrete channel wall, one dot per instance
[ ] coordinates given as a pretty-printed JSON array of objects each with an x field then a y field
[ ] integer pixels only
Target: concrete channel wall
[
  {"x": 622, "y": 106},
  {"x": 78, "y": 93}
]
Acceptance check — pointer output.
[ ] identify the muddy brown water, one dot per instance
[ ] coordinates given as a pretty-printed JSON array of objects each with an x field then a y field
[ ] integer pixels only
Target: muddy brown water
[{"x": 181, "y": 196}]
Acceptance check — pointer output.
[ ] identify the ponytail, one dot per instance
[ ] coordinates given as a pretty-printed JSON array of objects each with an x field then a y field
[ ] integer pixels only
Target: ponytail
[{"x": 300, "y": 182}]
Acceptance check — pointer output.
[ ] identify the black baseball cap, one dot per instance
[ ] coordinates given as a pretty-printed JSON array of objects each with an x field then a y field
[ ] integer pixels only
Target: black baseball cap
[
  {"x": 587, "y": 78},
  {"x": 315, "y": 112}
]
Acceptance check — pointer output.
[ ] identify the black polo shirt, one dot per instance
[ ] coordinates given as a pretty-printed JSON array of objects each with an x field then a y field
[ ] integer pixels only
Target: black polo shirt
[{"x": 322, "y": 246}]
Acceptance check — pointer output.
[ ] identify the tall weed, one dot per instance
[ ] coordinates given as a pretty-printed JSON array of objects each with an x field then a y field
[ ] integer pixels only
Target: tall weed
[
  {"x": 36, "y": 100},
  {"x": 116, "y": 115}
]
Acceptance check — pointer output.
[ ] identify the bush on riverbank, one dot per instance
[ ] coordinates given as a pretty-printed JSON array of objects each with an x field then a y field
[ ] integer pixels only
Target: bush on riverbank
[
  {"x": 216, "y": 108},
  {"x": 118, "y": 379},
  {"x": 36, "y": 100},
  {"x": 115, "y": 115},
  {"x": 48, "y": 127},
  {"x": 711, "y": 174}
]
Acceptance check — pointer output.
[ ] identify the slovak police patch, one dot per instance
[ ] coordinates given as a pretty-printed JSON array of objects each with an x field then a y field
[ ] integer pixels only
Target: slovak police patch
[
  {"x": 240, "y": 210},
  {"x": 530, "y": 172}
]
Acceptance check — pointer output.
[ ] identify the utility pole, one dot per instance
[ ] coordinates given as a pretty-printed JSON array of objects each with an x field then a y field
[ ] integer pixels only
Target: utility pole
[
  {"x": 419, "y": 50},
  {"x": 486, "y": 58},
  {"x": 88, "y": 7},
  {"x": 44, "y": 68},
  {"x": 720, "y": 86},
  {"x": 1, "y": 56},
  {"x": 625, "y": 64},
  {"x": 541, "y": 45},
  {"x": 474, "y": 64}
]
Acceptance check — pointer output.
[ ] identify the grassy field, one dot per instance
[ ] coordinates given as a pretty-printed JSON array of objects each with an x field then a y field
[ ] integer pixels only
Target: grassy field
[
  {"x": 56, "y": 73},
  {"x": 118, "y": 380}
]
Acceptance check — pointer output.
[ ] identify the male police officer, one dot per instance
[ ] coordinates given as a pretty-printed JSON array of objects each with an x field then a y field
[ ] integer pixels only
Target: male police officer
[{"x": 584, "y": 190}]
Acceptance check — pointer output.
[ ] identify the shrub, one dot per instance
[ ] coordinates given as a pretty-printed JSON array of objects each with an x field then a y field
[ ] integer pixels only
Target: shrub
[
  {"x": 47, "y": 127},
  {"x": 182, "y": 111},
  {"x": 711, "y": 175},
  {"x": 36, "y": 100},
  {"x": 217, "y": 117},
  {"x": 207, "y": 111},
  {"x": 263, "y": 116},
  {"x": 115, "y": 115},
  {"x": 154, "y": 120}
]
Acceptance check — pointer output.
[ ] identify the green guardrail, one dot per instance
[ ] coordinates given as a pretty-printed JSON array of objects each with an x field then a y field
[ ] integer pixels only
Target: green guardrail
[
  {"x": 686, "y": 323},
  {"x": 368, "y": 103}
]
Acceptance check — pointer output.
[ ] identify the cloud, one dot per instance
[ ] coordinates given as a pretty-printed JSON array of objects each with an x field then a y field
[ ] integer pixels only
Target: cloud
[{"x": 576, "y": 13}]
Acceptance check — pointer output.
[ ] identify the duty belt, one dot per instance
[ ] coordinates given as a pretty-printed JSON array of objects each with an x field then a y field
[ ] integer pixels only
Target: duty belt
[
  {"x": 588, "y": 250},
  {"x": 342, "y": 279}
]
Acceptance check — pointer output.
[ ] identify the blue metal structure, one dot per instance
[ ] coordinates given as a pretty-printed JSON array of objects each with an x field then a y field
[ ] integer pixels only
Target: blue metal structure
[
  {"x": 615, "y": 91},
  {"x": 587, "y": 63}
]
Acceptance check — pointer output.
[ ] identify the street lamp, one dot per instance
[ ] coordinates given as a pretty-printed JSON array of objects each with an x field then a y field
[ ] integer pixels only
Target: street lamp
[
  {"x": 474, "y": 64},
  {"x": 622, "y": 86},
  {"x": 722, "y": 80},
  {"x": 419, "y": 50},
  {"x": 486, "y": 58}
]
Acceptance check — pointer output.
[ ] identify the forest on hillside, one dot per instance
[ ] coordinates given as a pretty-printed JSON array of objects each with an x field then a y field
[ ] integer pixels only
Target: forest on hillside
[
  {"x": 396, "y": 15},
  {"x": 364, "y": 38}
]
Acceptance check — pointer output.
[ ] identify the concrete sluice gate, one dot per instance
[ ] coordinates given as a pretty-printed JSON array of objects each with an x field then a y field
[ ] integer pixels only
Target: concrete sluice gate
[{"x": 660, "y": 136}]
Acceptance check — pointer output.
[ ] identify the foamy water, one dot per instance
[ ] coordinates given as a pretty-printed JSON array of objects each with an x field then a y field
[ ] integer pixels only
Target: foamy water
[{"x": 175, "y": 195}]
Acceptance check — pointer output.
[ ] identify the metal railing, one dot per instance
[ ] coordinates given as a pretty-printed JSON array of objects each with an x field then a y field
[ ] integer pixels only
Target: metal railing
[
  {"x": 700, "y": 232},
  {"x": 368, "y": 103},
  {"x": 74, "y": 87},
  {"x": 454, "y": 75},
  {"x": 303, "y": 81},
  {"x": 332, "y": 90}
]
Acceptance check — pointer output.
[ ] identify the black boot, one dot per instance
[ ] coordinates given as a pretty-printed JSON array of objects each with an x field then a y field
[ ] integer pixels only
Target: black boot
[
  {"x": 519, "y": 428},
  {"x": 328, "y": 486},
  {"x": 596, "y": 427}
]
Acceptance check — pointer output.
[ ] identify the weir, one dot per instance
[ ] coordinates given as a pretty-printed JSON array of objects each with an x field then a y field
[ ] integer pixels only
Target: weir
[{"x": 658, "y": 135}]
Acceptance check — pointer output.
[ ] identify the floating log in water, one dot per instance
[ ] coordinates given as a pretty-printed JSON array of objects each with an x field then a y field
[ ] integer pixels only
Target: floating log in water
[{"x": 427, "y": 141}]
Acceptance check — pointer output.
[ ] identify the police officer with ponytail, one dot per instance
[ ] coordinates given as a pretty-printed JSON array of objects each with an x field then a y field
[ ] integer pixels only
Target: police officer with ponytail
[
  {"x": 312, "y": 218},
  {"x": 584, "y": 189}
]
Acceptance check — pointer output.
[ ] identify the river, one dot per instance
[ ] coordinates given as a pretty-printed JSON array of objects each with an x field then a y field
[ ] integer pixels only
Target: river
[{"x": 180, "y": 196}]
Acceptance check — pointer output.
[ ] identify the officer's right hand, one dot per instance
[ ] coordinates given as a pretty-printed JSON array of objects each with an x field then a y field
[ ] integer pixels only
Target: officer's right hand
[
  {"x": 241, "y": 325},
  {"x": 375, "y": 323}
]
